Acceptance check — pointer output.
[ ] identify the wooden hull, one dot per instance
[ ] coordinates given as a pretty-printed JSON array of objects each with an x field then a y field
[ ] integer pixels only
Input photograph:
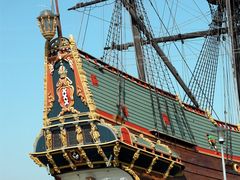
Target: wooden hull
[{"x": 83, "y": 128}]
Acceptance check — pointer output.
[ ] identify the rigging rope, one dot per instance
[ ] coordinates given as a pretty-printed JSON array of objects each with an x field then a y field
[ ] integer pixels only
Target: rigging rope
[{"x": 203, "y": 79}]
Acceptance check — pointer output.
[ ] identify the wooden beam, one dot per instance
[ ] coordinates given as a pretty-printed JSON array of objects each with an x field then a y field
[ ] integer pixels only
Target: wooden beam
[
  {"x": 84, "y": 4},
  {"x": 176, "y": 37}
]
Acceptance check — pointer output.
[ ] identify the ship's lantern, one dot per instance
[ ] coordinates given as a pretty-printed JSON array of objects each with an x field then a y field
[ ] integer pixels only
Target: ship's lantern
[
  {"x": 221, "y": 134},
  {"x": 47, "y": 23}
]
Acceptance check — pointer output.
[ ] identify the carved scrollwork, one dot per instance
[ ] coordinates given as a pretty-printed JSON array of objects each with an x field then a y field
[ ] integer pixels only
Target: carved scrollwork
[
  {"x": 101, "y": 153},
  {"x": 209, "y": 116},
  {"x": 65, "y": 155},
  {"x": 37, "y": 161},
  {"x": 236, "y": 167},
  {"x": 154, "y": 160},
  {"x": 130, "y": 171},
  {"x": 164, "y": 145},
  {"x": 135, "y": 157},
  {"x": 83, "y": 89},
  {"x": 168, "y": 170},
  {"x": 50, "y": 159},
  {"x": 84, "y": 156}
]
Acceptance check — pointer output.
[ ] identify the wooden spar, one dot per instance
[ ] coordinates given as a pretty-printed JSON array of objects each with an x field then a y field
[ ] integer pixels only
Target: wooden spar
[
  {"x": 150, "y": 38},
  {"x": 137, "y": 45},
  {"x": 59, "y": 27},
  {"x": 82, "y": 4},
  {"x": 177, "y": 37}
]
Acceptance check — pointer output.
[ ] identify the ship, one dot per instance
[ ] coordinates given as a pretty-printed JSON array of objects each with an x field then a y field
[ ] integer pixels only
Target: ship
[{"x": 100, "y": 122}]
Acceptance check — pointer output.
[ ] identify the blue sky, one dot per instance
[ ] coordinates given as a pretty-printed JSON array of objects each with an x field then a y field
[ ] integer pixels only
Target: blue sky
[{"x": 21, "y": 77}]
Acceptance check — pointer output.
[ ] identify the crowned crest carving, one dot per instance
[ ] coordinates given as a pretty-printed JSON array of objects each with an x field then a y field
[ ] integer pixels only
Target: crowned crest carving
[{"x": 65, "y": 91}]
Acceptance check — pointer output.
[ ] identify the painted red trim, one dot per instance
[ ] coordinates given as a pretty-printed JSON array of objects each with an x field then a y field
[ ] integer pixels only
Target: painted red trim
[
  {"x": 214, "y": 153},
  {"x": 127, "y": 123},
  {"x": 139, "y": 128},
  {"x": 145, "y": 85},
  {"x": 125, "y": 75},
  {"x": 229, "y": 126},
  {"x": 105, "y": 114},
  {"x": 146, "y": 131}
]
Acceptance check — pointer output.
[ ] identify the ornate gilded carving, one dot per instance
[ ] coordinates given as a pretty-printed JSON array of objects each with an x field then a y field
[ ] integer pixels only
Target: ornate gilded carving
[
  {"x": 236, "y": 168},
  {"x": 168, "y": 170},
  {"x": 61, "y": 119},
  {"x": 65, "y": 155},
  {"x": 116, "y": 151},
  {"x": 180, "y": 101},
  {"x": 79, "y": 134},
  {"x": 50, "y": 159},
  {"x": 46, "y": 122},
  {"x": 135, "y": 157},
  {"x": 154, "y": 160},
  {"x": 209, "y": 116},
  {"x": 101, "y": 153},
  {"x": 48, "y": 87},
  {"x": 148, "y": 140},
  {"x": 94, "y": 133},
  {"x": 130, "y": 171},
  {"x": 37, "y": 161},
  {"x": 65, "y": 91},
  {"x": 63, "y": 136},
  {"x": 48, "y": 138},
  {"x": 84, "y": 90},
  {"x": 75, "y": 156},
  {"x": 84, "y": 156},
  {"x": 102, "y": 121},
  {"x": 164, "y": 145}
]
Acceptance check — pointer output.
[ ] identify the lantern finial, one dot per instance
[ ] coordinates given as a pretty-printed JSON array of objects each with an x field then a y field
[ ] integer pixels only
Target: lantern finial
[{"x": 47, "y": 23}]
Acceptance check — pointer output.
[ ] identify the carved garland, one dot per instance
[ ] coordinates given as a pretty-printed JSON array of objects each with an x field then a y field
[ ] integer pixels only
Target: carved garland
[
  {"x": 168, "y": 170},
  {"x": 48, "y": 96},
  {"x": 76, "y": 58},
  {"x": 154, "y": 160},
  {"x": 65, "y": 155},
  {"x": 130, "y": 171},
  {"x": 84, "y": 156},
  {"x": 209, "y": 116},
  {"x": 37, "y": 161},
  {"x": 50, "y": 159},
  {"x": 101, "y": 153},
  {"x": 135, "y": 157}
]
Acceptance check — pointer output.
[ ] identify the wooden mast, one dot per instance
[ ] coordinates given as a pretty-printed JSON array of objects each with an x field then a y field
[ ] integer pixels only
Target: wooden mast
[
  {"x": 137, "y": 26},
  {"x": 233, "y": 12},
  {"x": 137, "y": 44},
  {"x": 159, "y": 51}
]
